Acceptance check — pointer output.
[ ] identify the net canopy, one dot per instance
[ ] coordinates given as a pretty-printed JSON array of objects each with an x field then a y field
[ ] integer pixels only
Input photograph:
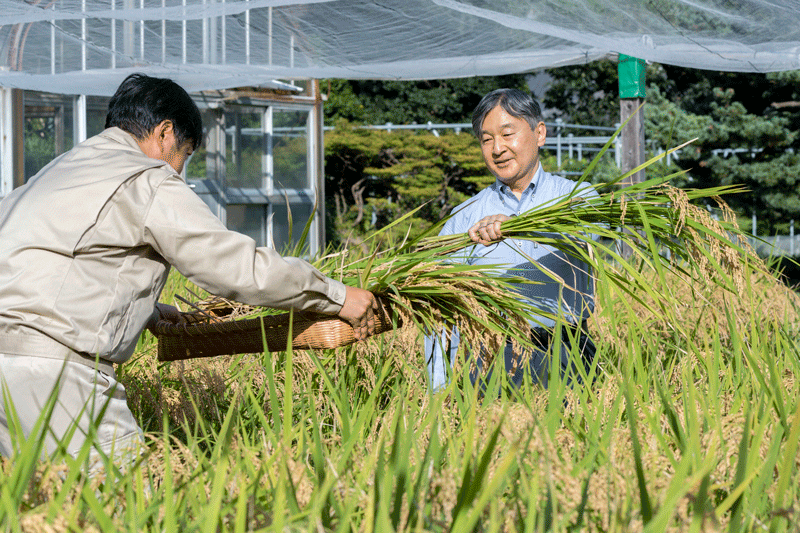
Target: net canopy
[{"x": 89, "y": 46}]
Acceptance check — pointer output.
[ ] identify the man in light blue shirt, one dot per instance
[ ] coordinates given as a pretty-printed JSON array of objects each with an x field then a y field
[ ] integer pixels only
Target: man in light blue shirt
[{"x": 509, "y": 127}]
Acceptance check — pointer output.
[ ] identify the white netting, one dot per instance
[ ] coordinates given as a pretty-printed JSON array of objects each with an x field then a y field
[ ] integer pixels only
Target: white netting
[{"x": 88, "y": 46}]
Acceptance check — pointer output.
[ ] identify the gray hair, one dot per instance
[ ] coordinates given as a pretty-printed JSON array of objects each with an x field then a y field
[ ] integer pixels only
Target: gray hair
[{"x": 513, "y": 101}]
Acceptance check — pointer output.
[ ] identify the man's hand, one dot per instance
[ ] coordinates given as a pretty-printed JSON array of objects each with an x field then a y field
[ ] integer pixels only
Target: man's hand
[
  {"x": 165, "y": 312},
  {"x": 487, "y": 229},
  {"x": 359, "y": 311}
]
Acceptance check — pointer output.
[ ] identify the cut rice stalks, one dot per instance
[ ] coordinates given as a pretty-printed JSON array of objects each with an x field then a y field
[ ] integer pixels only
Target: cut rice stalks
[{"x": 662, "y": 228}]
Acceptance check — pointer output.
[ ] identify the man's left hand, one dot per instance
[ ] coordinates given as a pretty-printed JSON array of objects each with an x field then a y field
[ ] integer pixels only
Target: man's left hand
[{"x": 487, "y": 229}]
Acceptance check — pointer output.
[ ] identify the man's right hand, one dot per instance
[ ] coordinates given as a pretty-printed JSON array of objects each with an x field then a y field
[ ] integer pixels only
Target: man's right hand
[
  {"x": 487, "y": 229},
  {"x": 165, "y": 312},
  {"x": 359, "y": 311}
]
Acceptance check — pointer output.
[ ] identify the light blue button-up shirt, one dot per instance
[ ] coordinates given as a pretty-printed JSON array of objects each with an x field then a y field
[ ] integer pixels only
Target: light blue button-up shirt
[{"x": 545, "y": 265}]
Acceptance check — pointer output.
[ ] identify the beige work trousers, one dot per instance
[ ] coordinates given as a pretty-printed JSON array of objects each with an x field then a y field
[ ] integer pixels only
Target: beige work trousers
[{"x": 87, "y": 398}]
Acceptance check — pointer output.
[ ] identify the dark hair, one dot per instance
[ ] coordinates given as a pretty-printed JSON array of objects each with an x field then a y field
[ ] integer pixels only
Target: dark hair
[
  {"x": 513, "y": 101},
  {"x": 142, "y": 102}
]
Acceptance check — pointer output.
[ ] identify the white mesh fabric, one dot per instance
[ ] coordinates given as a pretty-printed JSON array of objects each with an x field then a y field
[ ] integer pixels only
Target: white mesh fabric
[{"x": 88, "y": 46}]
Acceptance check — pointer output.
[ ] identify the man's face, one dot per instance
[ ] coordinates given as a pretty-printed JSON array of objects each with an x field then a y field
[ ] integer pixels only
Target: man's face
[{"x": 510, "y": 148}]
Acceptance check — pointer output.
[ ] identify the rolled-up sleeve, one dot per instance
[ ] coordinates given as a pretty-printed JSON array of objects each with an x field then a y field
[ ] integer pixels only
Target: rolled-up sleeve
[{"x": 183, "y": 230}]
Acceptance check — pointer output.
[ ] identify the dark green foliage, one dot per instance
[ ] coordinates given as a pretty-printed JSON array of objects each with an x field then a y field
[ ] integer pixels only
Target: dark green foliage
[
  {"x": 585, "y": 94},
  {"x": 406, "y": 102}
]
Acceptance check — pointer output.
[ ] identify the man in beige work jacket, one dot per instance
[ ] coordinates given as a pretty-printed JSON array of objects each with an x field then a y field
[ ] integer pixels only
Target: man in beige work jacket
[{"x": 85, "y": 248}]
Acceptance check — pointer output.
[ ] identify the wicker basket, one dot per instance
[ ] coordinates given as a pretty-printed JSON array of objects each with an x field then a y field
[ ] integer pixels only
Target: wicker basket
[{"x": 200, "y": 338}]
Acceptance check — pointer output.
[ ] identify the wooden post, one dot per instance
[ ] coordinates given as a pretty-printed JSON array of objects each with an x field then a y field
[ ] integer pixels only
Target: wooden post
[
  {"x": 632, "y": 138},
  {"x": 631, "y": 104},
  {"x": 18, "y": 97}
]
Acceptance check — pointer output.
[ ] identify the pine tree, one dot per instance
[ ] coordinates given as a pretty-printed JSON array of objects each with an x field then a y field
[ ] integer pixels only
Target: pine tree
[{"x": 374, "y": 177}]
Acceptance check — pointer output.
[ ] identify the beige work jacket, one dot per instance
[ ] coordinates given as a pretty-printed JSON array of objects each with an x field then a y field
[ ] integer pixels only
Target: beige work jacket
[{"x": 86, "y": 245}]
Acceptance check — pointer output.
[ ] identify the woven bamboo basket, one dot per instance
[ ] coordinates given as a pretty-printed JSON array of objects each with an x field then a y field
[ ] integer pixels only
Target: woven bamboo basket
[{"x": 198, "y": 337}]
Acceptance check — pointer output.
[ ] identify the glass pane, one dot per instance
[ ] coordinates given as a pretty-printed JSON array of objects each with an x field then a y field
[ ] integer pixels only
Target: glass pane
[
  {"x": 304, "y": 85},
  {"x": 247, "y": 219},
  {"x": 48, "y": 133},
  {"x": 40, "y": 142},
  {"x": 245, "y": 145},
  {"x": 280, "y": 224},
  {"x": 290, "y": 149},
  {"x": 96, "y": 116}
]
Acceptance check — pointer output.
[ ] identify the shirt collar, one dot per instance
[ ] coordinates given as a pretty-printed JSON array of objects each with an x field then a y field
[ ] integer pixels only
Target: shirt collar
[
  {"x": 128, "y": 142},
  {"x": 121, "y": 136},
  {"x": 502, "y": 188}
]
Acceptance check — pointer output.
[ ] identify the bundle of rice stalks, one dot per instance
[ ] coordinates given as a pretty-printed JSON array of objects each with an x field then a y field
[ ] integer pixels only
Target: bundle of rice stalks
[{"x": 663, "y": 227}]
